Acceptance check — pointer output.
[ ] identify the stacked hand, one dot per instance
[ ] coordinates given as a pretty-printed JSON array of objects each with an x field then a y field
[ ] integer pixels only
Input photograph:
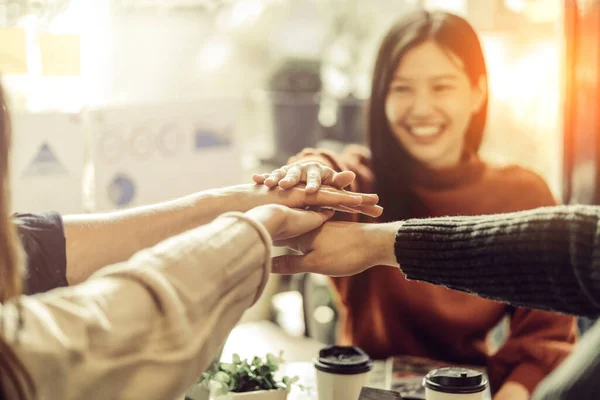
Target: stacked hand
[
  {"x": 284, "y": 223},
  {"x": 332, "y": 248},
  {"x": 317, "y": 178},
  {"x": 339, "y": 249},
  {"x": 312, "y": 173}
]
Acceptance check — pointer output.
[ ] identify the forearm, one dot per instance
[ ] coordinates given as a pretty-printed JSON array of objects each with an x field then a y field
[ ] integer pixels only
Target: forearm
[
  {"x": 544, "y": 258},
  {"x": 148, "y": 326},
  {"x": 96, "y": 240}
]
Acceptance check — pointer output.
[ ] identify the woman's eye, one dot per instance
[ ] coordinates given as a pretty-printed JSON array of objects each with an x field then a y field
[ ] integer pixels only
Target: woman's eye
[
  {"x": 442, "y": 88},
  {"x": 400, "y": 89}
]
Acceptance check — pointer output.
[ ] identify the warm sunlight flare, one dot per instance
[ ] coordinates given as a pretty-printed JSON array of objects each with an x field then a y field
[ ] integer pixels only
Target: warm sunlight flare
[{"x": 526, "y": 78}]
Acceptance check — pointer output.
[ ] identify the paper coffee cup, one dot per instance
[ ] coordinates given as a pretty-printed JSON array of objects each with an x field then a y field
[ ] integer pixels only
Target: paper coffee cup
[
  {"x": 454, "y": 384},
  {"x": 342, "y": 372}
]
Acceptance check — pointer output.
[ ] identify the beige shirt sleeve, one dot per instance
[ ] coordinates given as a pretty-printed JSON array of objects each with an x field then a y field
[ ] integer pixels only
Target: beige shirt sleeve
[{"x": 148, "y": 327}]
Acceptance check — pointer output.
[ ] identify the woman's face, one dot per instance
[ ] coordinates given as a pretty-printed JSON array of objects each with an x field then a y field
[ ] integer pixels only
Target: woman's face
[{"x": 429, "y": 104}]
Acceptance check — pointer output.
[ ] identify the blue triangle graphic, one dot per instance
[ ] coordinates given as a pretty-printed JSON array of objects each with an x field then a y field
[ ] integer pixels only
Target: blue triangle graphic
[{"x": 45, "y": 163}]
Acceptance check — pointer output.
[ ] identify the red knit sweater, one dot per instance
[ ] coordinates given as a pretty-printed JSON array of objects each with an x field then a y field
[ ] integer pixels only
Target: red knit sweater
[{"x": 387, "y": 315}]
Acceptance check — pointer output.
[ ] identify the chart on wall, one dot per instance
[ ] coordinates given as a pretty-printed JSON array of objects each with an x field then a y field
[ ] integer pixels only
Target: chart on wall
[
  {"x": 47, "y": 162},
  {"x": 150, "y": 153}
]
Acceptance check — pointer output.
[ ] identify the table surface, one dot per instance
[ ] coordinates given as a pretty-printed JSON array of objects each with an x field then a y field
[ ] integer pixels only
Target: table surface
[
  {"x": 298, "y": 352},
  {"x": 259, "y": 338}
]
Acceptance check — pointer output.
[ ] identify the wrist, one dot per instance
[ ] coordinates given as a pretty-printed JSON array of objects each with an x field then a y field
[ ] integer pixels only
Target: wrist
[
  {"x": 270, "y": 216},
  {"x": 381, "y": 239}
]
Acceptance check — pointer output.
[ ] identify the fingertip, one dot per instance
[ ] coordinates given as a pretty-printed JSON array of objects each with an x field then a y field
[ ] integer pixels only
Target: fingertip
[
  {"x": 328, "y": 213},
  {"x": 377, "y": 211},
  {"x": 285, "y": 184},
  {"x": 370, "y": 199},
  {"x": 343, "y": 179},
  {"x": 358, "y": 199}
]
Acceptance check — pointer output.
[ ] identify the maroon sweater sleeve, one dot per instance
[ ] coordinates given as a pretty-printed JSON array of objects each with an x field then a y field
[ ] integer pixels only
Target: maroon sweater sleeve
[{"x": 43, "y": 239}]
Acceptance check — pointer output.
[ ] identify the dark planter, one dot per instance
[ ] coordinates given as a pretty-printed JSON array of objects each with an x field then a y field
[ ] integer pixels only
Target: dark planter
[{"x": 295, "y": 118}]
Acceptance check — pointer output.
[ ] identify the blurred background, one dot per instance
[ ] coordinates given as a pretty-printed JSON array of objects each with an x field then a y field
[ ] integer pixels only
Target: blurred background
[{"x": 126, "y": 102}]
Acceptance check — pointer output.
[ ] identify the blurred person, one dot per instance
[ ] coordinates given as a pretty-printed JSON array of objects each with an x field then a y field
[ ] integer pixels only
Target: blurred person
[
  {"x": 147, "y": 327},
  {"x": 545, "y": 258},
  {"x": 426, "y": 120}
]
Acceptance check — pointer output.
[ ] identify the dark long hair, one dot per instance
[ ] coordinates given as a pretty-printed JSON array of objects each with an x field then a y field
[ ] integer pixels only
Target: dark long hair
[
  {"x": 390, "y": 160},
  {"x": 15, "y": 381}
]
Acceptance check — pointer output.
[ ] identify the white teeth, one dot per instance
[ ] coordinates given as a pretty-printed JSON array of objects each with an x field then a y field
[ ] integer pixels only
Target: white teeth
[{"x": 425, "y": 131}]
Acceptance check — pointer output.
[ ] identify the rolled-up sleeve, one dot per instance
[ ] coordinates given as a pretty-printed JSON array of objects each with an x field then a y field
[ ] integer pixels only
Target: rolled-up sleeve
[
  {"x": 43, "y": 239},
  {"x": 148, "y": 327}
]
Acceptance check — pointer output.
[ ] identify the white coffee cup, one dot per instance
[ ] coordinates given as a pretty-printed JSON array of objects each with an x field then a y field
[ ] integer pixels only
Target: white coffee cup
[
  {"x": 455, "y": 384},
  {"x": 342, "y": 372}
]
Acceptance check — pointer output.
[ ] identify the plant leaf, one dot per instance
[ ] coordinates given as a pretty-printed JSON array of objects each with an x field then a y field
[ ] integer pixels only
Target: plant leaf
[
  {"x": 247, "y": 376},
  {"x": 222, "y": 377},
  {"x": 218, "y": 388},
  {"x": 231, "y": 368}
]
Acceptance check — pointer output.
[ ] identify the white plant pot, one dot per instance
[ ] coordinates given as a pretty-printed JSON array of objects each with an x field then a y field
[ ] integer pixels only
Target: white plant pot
[{"x": 258, "y": 395}]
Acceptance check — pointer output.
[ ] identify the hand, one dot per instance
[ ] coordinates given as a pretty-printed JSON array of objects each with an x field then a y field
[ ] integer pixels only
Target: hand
[
  {"x": 311, "y": 173},
  {"x": 328, "y": 197},
  {"x": 285, "y": 223},
  {"x": 317, "y": 177},
  {"x": 339, "y": 249}
]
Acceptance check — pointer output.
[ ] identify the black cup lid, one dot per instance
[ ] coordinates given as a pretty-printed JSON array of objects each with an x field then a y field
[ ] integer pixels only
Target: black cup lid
[
  {"x": 455, "y": 380},
  {"x": 343, "y": 360}
]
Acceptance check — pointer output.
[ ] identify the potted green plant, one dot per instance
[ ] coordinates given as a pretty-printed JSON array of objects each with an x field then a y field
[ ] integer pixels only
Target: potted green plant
[{"x": 248, "y": 380}]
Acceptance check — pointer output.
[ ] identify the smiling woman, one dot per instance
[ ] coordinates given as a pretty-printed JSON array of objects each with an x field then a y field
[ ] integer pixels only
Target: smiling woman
[
  {"x": 430, "y": 103},
  {"x": 427, "y": 113}
]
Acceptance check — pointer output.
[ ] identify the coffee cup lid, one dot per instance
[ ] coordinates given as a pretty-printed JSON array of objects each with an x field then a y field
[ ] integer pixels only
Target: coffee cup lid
[
  {"x": 455, "y": 380},
  {"x": 343, "y": 360}
]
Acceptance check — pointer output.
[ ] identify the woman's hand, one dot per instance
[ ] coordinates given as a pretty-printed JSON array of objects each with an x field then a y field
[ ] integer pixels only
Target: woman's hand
[
  {"x": 298, "y": 197},
  {"x": 311, "y": 173},
  {"x": 315, "y": 177},
  {"x": 285, "y": 223},
  {"x": 339, "y": 249}
]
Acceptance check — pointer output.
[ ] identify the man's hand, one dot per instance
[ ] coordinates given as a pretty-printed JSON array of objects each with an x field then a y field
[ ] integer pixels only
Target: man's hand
[{"x": 339, "y": 249}]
